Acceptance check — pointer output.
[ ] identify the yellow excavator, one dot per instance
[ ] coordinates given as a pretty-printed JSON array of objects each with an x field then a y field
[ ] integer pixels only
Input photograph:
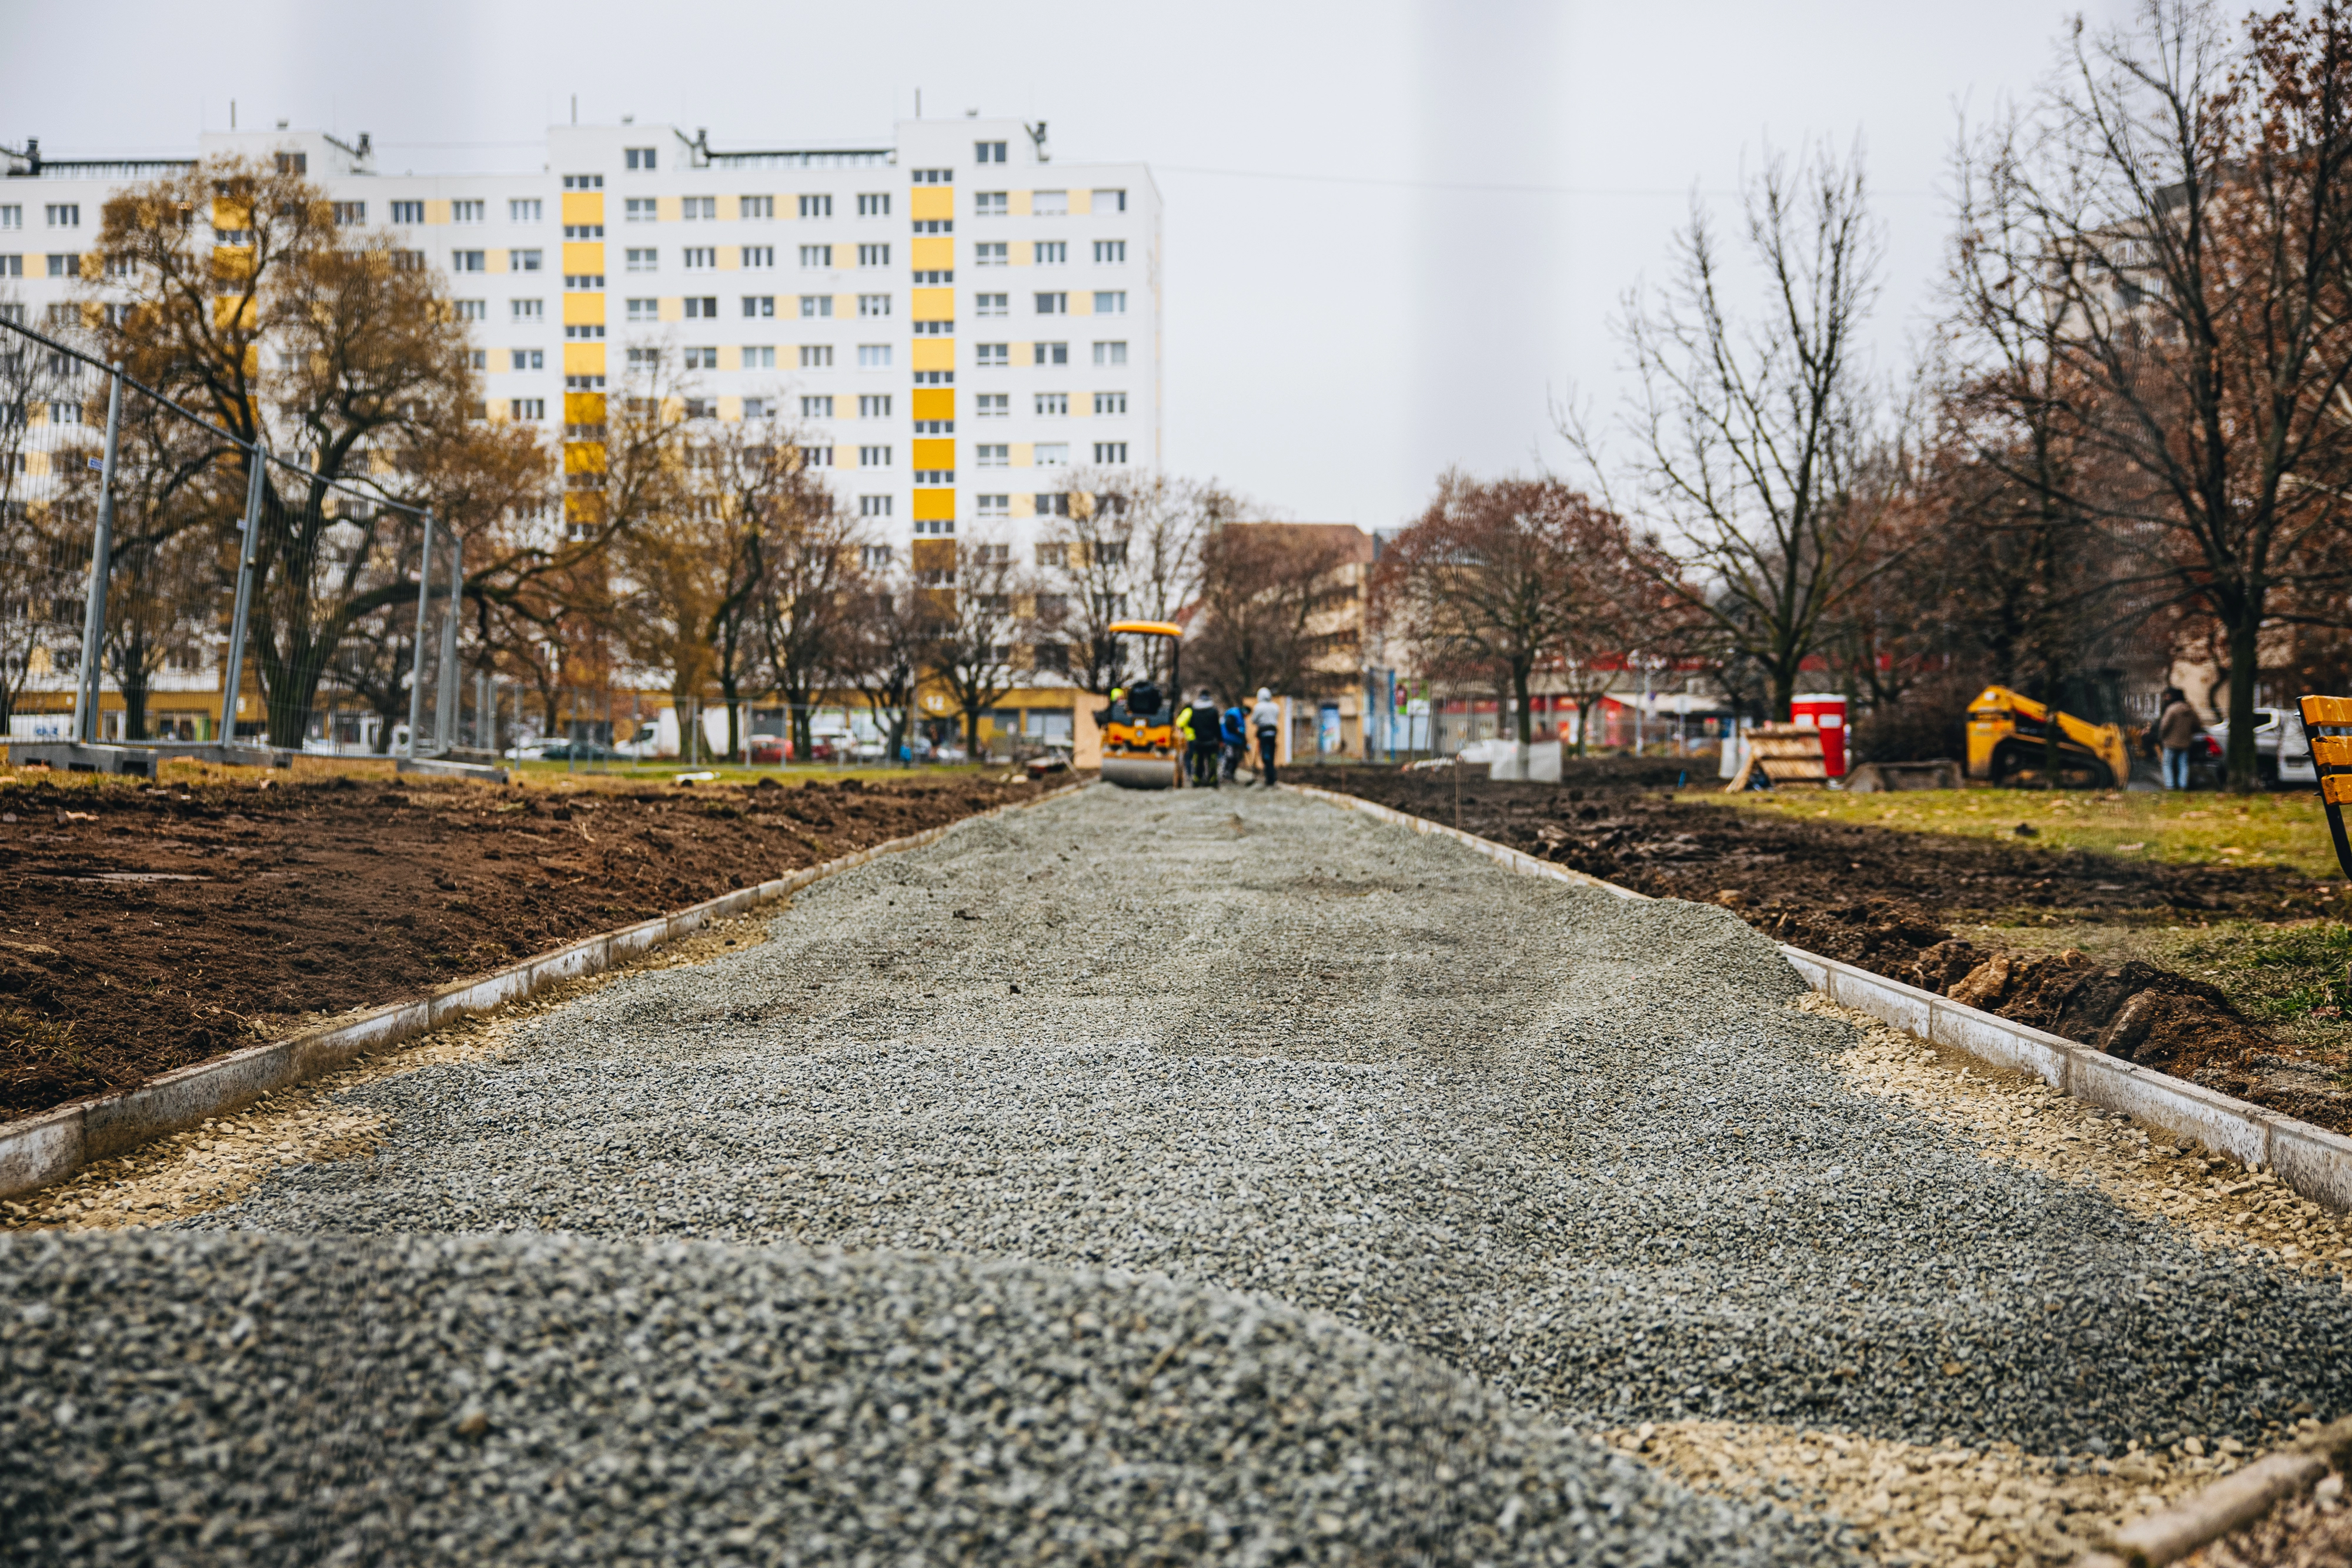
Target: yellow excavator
[
  {"x": 2009, "y": 736},
  {"x": 1142, "y": 749}
]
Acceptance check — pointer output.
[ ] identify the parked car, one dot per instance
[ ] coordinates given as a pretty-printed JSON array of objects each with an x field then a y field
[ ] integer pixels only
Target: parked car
[
  {"x": 767, "y": 750},
  {"x": 562, "y": 752},
  {"x": 2282, "y": 757}
]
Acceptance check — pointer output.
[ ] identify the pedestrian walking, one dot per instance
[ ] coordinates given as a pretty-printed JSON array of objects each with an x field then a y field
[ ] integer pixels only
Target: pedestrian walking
[
  {"x": 1232, "y": 733},
  {"x": 1266, "y": 719},
  {"x": 2177, "y": 729},
  {"x": 1199, "y": 724}
]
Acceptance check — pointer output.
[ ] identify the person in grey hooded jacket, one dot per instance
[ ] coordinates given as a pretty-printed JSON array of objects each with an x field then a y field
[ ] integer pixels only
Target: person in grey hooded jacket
[{"x": 1266, "y": 720}]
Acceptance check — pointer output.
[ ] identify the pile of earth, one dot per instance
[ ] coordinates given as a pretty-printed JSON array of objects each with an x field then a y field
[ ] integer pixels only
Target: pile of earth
[{"x": 145, "y": 927}]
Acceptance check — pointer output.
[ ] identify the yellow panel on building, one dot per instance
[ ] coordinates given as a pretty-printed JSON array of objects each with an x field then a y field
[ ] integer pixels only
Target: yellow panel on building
[
  {"x": 1023, "y": 456},
  {"x": 929, "y": 305},
  {"x": 437, "y": 212},
  {"x": 933, "y": 555},
  {"x": 930, "y": 252},
  {"x": 934, "y": 403},
  {"x": 583, "y": 458},
  {"x": 1018, "y": 201},
  {"x": 583, "y": 257},
  {"x": 934, "y": 454},
  {"x": 1022, "y": 507},
  {"x": 931, "y": 201},
  {"x": 933, "y": 505},
  {"x": 935, "y": 353},
  {"x": 731, "y": 408},
  {"x": 495, "y": 260},
  {"x": 1018, "y": 254},
  {"x": 673, "y": 309},
  {"x": 583, "y": 206},
  {"x": 583, "y": 310},
  {"x": 1081, "y": 302},
  {"x": 667, "y": 208},
  {"x": 583, "y": 408},
  {"x": 584, "y": 358},
  {"x": 1081, "y": 203}
]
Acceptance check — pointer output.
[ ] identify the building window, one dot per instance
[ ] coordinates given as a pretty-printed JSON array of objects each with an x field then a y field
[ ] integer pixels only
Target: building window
[
  {"x": 583, "y": 182},
  {"x": 934, "y": 475},
  {"x": 701, "y": 257},
  {"x": 1053, "y": 304},
  {"x": 12, "y": 217},
  {"x": 873, "y": 457},
  {"x": 816, "y": 206},
  {"x": 991, "y": 305},
  {"x": 1110, "y": 452},
  {"x": 1053, "y": 505},
  {"x": 1110, "y": 202},
  {"x": 759, "y": 305},
  {"x": 64, "y": 215},
  {"x": 814, "y": 457},
  {"x": 639, "y": 210},
  {"x": 467, "y": 211},
  {"x": 583, "y": 331},
  {"x": 992, "y": 456},
  {"x": 816, "y": 356},
  {"x": 583, "y": 230},
  {"x": 992, "y": 507},
  {"x": 875, "y": 205},
  {"x": 875, "y": 557},
  {"x": 1051, "y": 353},
  {"x": 1110, "y": 353},
  {"x": 12, "y": 266},
  {"x": 525, "y": 359},
  {"x": 1110, "y": 252},
  {"x": 988, "y": 152},
  {"x": 523, "y": 260},
  {"x": 467, "y": 261},
  {"x": 701, "y": 408},
  {"x": 348, "y": 214},
  {"x": 583, "y": 282},
  {"x": 472, "y": 309},
  {"x": 702, "y": 307},
  {"x": 989, "y": 253},
  {"x": 1110, "y": 402},
  {"x": 408, "y": 261},
  {"x": 1052, "y": 405},
  {"x": 873, "y": 406},
  {"x": 873, "y": 255},
  {"x": 938, "y": 278},
  {"x": 408, "y": 211},
  {"x": 233, "y": 237},
  {"x": 935, "y": 378},
  {"x": 932, "y": 177},
  {"x": 935, "y": 226},
  {"x": 759, "y": 359},
  {"x": 643, "y": 260},
  {"x": 702, "y": 358},
  {"x": 992, "y": 405},
  {"x": 527, "y": 408},
  {"x": 874, "y": 305},
  {"x": 755, "y": 206},
  {"x": 1049, "y": 204},
  {"x": 1052, "y": 556},
  {"x": 818, "y": 407},
  {"x": 816, "y": 256},
  {"x": 638, "y": 157},
  {"x": 1110, "y": 301},
  {"x": 759, "y": 258},
  {"x": 873, "y": 506},
  {"x": 987, "y": 354},
  {"x": 698, "y": 209},
  {"x": 935, "y": 427},
  {"x": 645, "y": 310},
  {"x": 525, "y": 310},
  {"x": 1051, "y": 252},
  {"x": 873, "y": 356},
  {"x": 934, "y": 329},
  {"x": 645, "y": 362},
  {"x": 1051, "y": 453},
  {"x": 758, "y": 407},
  {"x": 989, "y": 205}
]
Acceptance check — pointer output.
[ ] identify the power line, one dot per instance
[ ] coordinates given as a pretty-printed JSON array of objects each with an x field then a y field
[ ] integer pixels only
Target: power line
[{"x": 1471, "y": 185}]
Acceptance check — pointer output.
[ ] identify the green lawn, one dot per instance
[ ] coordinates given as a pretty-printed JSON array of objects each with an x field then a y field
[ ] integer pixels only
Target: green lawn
[{"x": 2284, "y": 829}]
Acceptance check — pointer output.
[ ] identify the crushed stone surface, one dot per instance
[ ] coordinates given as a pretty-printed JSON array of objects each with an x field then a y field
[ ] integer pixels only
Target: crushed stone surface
[{"x": 1266, "y": 1055}]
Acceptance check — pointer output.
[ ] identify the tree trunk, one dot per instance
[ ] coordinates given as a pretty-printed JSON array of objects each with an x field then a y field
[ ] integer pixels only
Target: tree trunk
[
  {"x": 971, "y": 733},
  {"x": 727, "y": 690},
  {"x": 2244, "y": 642},
  {"x": 1519, "y": 701}
]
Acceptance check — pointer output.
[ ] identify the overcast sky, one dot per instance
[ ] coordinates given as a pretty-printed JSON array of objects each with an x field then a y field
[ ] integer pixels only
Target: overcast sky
[{"x": 1346, "y": 314}]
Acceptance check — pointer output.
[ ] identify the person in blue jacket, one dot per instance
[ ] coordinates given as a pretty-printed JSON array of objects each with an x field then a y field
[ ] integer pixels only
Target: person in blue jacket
[{"x": 1233, "y": 730}]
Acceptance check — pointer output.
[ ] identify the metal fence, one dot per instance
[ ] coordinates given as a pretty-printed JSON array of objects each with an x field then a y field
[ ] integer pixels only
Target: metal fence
[{"x": 165, "y": 583}]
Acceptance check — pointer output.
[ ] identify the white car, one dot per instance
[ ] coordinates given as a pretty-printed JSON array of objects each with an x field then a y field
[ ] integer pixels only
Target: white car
[{"x": 2281, "y": 756}]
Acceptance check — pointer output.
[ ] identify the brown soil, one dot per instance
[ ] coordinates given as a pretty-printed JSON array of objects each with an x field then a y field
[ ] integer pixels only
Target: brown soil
[
  {"x": 144, "y": 927},
  {"x": 1885, "y": 901}
]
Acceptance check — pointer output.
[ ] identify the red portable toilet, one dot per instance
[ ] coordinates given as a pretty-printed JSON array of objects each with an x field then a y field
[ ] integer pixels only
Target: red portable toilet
[{"x": 1826, "y": 712}]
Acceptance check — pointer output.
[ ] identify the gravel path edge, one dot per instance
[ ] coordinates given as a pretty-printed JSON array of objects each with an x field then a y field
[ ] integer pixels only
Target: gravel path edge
[{"x": 40, "y": 1150}]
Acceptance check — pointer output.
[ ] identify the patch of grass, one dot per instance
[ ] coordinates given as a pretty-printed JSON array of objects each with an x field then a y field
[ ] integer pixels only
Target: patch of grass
[{"x": 2287, "y": 828}]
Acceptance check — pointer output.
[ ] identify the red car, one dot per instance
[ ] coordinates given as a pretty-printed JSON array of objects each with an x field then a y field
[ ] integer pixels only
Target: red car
[{"x": 767, "y": 749}]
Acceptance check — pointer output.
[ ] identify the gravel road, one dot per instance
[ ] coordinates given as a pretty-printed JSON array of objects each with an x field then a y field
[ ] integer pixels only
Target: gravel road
[{"x": 1095, "y": 1085}]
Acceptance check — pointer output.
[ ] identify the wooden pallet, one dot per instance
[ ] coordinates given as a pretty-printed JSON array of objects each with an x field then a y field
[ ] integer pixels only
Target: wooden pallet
[{"x": 1784, "y": 754}]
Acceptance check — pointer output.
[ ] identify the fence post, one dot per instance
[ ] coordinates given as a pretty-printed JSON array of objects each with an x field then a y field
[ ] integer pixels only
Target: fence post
[
  {"x": 416, "y": 652},
  {"x": 101, "y": 564},
  {"x": 233, "y": 662},
  {"x": 445, "y": 721}
]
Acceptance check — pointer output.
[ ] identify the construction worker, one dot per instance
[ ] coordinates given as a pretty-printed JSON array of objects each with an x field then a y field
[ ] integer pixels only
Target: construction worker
[
  {"x": 1197, "y": 723},
  {"x": 1233, "y": 732},
  {"x": 1266, "y": 719}
]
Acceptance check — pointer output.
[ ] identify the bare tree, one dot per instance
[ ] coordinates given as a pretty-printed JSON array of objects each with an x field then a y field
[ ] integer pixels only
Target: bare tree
[
  {"x": 814, "y": 581},
  {"x": 1131, "y": 546},
  {"x": 886, "y": 642},
  {"x": 39, "y": 529},
  {"x": 2173, "y": 221},
  {"x": 971, "y": 648},
  {"x": 1757, "y": 444},
  {"x": 1274, "y": 609}
]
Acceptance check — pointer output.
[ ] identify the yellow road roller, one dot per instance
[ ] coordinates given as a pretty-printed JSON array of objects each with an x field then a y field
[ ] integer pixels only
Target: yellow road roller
[{"x": 1140, "y": 747}]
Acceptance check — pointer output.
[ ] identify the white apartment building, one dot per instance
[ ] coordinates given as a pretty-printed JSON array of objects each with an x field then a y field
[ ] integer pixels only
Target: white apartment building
[{"x": 951, "y": 320}]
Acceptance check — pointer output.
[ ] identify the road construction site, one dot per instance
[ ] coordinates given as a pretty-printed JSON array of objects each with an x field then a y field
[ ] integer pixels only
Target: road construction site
[{"x": 1198, "y": 1175}]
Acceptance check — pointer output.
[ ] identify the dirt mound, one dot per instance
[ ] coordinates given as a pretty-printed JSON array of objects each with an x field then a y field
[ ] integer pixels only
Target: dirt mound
[{"x": 146, "y": 928}]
